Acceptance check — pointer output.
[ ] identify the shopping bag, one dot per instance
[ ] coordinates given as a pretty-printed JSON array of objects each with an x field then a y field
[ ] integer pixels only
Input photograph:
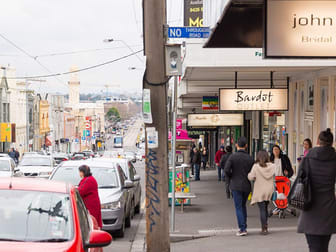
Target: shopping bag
[{"x": 250, "y": 196}]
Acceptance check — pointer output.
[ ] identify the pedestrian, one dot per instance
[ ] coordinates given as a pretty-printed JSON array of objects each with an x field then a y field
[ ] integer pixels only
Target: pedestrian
[
  {"x": 307, "y": 145},
  {"x": 218, "y": 157},
  {"x": 236, "y": 170},
  {"x": 196, "y": 163},
  {"x": 12, "y": 154},
  {"x": 224, "y": 158},
  {"x": 17, "y": 156},
  {"x": 88, "y": 190},
  {"x": 191, "y": 154},
  {"x": 319, "y": 222},
  {"x": 283, "y": 166},
  {"x": 262, "y": 174},
  {"x": 204, "y": 158}
]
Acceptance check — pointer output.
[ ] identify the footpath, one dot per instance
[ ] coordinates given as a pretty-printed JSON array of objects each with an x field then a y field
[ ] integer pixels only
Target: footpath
[{"x": 210, "y": 224}]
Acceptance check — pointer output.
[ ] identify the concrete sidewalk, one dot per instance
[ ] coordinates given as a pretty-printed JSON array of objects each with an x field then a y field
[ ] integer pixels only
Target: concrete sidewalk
[{"x": 213, "y": 215}]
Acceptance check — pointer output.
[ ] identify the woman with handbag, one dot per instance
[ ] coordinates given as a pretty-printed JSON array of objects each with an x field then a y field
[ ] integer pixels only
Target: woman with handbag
[
  {"x": 262, "y": 174},
  {"x": 318, "y": 221}
]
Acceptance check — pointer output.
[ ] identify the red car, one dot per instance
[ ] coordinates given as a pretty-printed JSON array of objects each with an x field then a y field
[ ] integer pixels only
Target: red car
[{"x": 44, "y": 215}]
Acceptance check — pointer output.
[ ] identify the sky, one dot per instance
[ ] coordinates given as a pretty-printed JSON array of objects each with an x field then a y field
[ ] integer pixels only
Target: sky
[{"x": 42, "y": 27}]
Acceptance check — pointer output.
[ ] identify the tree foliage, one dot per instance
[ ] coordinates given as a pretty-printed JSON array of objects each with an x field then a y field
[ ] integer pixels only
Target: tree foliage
[{"x": 113, "y": 114}]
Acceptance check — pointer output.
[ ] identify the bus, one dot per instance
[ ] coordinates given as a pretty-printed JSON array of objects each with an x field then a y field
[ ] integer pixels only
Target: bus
[{"x": 117, "y": 142}]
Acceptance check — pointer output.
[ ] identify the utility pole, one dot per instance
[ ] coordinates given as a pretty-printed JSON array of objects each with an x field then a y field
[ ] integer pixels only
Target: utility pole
[{"x": 157, "y": 211}]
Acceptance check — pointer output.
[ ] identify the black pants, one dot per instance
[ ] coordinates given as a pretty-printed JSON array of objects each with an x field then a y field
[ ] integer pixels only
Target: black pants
[
  {"x": 263, "y": 209},
  {"x": 318, "y": 243},
  {"x": 204, "y": 163}
]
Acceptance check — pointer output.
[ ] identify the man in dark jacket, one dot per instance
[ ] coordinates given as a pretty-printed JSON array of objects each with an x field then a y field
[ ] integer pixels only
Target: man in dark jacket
[
  {"x": 191, "y": 158},
  {"x": 196, "y": 163},
  {"x": 236, "y": 169},
  {"x": 12, "y": 154}
]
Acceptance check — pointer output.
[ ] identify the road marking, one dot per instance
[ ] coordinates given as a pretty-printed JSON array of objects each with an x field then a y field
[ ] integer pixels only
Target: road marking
[{"x": 214, "y": 232}]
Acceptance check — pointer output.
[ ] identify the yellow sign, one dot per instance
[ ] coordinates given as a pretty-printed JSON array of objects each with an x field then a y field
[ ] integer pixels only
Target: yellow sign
[
  {"x": 296, "y": 28},
  {"x": 5, "y": 132}
]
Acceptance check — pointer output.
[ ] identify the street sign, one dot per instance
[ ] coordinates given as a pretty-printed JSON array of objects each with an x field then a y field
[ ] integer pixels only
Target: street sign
[
  {"x": 93, "y": 137},
  {"x": 76, "y": 140},
  {"x": 188, "y": 32},
  {"x": 83, "y": 138}
]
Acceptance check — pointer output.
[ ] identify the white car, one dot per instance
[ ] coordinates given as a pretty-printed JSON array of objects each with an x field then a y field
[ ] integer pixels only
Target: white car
[
  {"x": 36, "y": 166},
  {"x": 8, "y": 167}
]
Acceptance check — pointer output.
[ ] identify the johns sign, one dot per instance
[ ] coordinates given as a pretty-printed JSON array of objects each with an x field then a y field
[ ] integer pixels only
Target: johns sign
[
  {"x": 253, "y": 99},
  {"x": 299, "y": 28}
]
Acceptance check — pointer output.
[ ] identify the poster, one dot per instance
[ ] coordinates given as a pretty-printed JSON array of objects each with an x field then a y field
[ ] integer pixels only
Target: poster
[
  {"x": 210, "y": 103},
  {"x": 193, "y": 13},
  {"x": 146, "y": 107}
]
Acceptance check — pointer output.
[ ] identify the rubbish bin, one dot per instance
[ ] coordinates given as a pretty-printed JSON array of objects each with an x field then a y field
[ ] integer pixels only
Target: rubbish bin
[{"x": 182, "y": 182}]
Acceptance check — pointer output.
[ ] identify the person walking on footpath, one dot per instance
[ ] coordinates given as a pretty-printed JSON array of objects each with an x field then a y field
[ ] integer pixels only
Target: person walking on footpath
[
  {"x": 204, "y": 158},
  {"x": 196, "y": 163},
  {"x": 236, "y": 170},
  {"x": 283, "y": 166},
  {"x": 318, "y": 223},
  {"x": 191, "y": 158},
  {"x": 12, "y": 154},
  {"x": 218, "y": 157},
  {"x": 225, "y": 157},
  {"x": 262, "y": 174},
  {"x": 307, "y": 145}
]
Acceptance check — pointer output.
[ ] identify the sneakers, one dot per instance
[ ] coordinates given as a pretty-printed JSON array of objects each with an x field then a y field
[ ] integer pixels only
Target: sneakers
[{"x": 241, "y": 233}]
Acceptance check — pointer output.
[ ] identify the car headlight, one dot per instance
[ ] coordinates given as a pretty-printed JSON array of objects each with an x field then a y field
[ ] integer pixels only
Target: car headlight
[{"x": 111, "y": 205}]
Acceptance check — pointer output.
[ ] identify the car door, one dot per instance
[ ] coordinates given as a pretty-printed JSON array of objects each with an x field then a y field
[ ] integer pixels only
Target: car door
[
  {"x": 125, "y": 191},
  {"x": 137, "y": 187}
]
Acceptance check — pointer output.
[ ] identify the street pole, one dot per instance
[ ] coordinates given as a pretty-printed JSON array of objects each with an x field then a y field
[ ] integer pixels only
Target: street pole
[
  {"x": 173, "y": 153},
  {"x": 157, "y": 210}
]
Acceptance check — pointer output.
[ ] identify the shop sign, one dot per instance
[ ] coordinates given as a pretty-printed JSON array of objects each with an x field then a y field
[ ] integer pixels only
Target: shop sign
[
  {"x": 193, "y": 13},
  {"x": 210, "y": 103},
  {"x": 299, "y": 29},
  {"x": 203, "y": 120},
  {"x": 253, "y": 99},
  {"x": 179, "y": 124},
  {"x": 6, "y": 132}
]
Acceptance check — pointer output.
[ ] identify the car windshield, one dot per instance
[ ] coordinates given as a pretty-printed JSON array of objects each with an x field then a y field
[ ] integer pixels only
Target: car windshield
[
  {"x": 35, "y": 161},
  {"x": 106, "y": 177},
  {"x": 35, "y": 216},
  {"x": 4, "y": 165},
  {"x": 117, "y": 140}
]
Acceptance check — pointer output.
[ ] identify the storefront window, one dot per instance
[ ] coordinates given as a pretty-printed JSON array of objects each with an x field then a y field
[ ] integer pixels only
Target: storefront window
[{"x": 274, "y": 131}]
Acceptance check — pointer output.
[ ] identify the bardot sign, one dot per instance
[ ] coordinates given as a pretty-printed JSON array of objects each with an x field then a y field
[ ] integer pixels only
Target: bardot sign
[
  {"x": 253, "y": 99},
  {"x": 300, "y": 29}
]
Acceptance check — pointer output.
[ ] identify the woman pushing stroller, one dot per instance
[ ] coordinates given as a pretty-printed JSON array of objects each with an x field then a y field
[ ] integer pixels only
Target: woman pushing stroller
[{"x": 262, "y": 174}]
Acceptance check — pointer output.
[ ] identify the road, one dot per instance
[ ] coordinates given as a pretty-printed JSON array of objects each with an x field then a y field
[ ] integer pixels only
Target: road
[{"x": 124, "y": 244}]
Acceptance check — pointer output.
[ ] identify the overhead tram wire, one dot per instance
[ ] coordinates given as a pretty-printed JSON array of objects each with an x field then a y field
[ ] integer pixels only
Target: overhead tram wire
[{"x": 79, "y": 70}]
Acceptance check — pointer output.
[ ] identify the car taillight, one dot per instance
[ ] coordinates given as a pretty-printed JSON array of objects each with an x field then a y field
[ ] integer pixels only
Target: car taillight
[{"x": 65, "y": 159}]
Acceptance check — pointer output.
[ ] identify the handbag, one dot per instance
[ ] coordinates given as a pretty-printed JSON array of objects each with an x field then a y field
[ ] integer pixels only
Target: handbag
[{"x": 300, "y": 195}]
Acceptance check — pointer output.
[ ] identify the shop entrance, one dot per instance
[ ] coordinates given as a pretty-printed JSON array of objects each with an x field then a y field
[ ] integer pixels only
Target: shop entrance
[{"x": 229, "y": 135}]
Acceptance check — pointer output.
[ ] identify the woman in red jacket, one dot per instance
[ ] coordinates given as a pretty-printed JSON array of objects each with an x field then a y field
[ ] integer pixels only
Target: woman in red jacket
[{"x": 88, "y": 190}]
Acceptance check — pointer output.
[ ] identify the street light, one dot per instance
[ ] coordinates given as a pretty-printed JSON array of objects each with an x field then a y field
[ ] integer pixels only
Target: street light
[{"x": 110, "y": 40}]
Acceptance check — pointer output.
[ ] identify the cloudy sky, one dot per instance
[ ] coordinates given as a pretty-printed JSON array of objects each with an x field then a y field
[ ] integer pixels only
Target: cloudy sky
[{"x": 44, "y": 28}]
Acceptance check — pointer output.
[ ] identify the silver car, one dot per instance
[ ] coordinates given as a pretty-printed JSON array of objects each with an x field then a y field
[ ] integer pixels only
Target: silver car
[
  {"x": 8, "y": 168},
  {"x": 131, "y": 174},
  {"x": 36, "y": 166},
  {"x": 113, "y": 189}
]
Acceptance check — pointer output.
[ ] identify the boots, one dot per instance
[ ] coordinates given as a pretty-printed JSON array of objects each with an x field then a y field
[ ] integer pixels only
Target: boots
[{"x": 264, "y": 230}]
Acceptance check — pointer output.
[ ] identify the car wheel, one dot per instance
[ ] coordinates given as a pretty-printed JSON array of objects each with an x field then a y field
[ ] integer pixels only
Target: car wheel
[
  {"x": 121, "y": 232},
  {"x": 128, "y": 221}
]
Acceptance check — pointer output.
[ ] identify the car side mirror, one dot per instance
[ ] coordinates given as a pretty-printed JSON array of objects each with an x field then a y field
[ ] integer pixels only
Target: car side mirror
[
  {"x": 16, "y": 170},
  {"x": 99, "y": 239},
  {"x": 128, "y": 184},
  {"x": 134, "y": 161},
  {"x": 136, "y": 178}
]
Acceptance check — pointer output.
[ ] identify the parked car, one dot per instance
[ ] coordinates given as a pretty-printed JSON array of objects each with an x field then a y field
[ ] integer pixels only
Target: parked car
[
  {"x": 41, "y": 215},
  {"x": 130, "y": 155},
  {"x": 88, "y": 153},
  {"x": 60, "y": 157},
  {"x": 36, "y": 166},
  {"x": 113, "y": 189},
  {"x": 131, "y": 174},
  {"x": 8, "y": 167},
  {"x": 78, "y": 156}
]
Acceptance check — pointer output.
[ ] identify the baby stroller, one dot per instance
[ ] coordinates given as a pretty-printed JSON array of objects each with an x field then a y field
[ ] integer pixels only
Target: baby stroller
[{"x": 282, "y": 185}]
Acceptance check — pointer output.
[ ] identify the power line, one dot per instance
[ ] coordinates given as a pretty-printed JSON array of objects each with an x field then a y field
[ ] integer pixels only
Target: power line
[{"x": 79, "y": 70}]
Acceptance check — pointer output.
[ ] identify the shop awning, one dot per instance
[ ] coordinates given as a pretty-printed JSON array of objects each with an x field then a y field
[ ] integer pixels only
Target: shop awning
[{"x": 240, "y": 26}]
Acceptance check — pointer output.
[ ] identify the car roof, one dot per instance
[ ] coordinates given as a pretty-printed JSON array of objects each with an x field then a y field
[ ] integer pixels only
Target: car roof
[
  {"x": 5, "y": 158},
  {"x": 109, "y": 160},
  {"x": 89, "y": 162},
  {"x": 33, "y": 184}
]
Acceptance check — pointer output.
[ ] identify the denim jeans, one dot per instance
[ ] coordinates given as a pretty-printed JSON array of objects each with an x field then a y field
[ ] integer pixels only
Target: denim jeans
[
  {"x": 219, "y": 169},
  {"x": 197, "y": 171},
  {"x": 263, "y": 206},
  {"x": 240, "y": 199},
  {"x": 318, "y": 243}
]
